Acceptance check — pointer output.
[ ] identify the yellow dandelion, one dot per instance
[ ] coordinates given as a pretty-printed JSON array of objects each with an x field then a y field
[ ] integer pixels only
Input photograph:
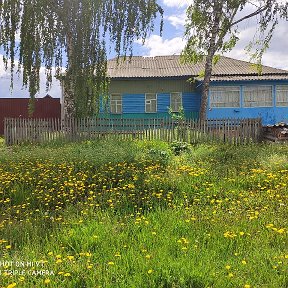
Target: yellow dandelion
[
  {"x": 67, "y": 275},
  {"x": 150, "y": 271},
  {"x": 228, "y": 267},
  {"x": 247, "y": 286},
  {"x": 111, "y": 263},
  {"x": 47, "y": 281},
  {"x": 12, "y": 285}
]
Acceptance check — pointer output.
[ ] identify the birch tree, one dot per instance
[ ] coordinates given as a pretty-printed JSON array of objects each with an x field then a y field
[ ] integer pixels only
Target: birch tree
[
  {"x": 212, "y": 28},
  {"x": 74, "y": 34}
]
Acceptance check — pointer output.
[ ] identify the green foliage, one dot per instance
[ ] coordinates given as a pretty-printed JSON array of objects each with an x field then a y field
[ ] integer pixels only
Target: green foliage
[
  {"x": 161, "y": 156},
  {"x": 180, "y": 115},
  {"x": 50, "y": 31},
  {"x": 155, "y": 151},
  {"x": 178, "y": 147}
]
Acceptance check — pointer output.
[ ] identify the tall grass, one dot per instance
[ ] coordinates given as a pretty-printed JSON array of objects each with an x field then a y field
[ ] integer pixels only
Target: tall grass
[{"x": 132, "y": 214}]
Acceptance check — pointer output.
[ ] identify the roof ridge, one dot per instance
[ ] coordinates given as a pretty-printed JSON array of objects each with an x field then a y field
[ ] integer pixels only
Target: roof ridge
[
  {"x": 252, "y": 74},
  {"x": 144, "y": 56},
  {"x": 247, "y": 62}
]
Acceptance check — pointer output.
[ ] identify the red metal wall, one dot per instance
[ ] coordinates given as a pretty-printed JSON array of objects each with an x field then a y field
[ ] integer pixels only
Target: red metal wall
[{"x": 46, "y": 107}]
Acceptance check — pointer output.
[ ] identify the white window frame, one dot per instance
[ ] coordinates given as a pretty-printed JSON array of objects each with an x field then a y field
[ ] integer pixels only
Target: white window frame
[
  {"x": 148, "y": 102},
  {"x": 256, "y": 103},
  {"x": 219, "y": 99},
  {"x": 281, "y": 89},
  {"x": 117, "y": 103},
  {"x": 172, "y": 107}
]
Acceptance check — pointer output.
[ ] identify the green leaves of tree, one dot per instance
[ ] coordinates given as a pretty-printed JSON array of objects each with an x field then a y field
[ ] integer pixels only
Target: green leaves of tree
[{"x": 51, "y": 30}]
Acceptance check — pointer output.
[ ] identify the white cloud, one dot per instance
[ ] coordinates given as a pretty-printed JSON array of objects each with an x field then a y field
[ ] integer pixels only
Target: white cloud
[
  {"x": 275, "y": 56},
  {"x": 159, "y": 46},
  {"x": 270, "y": 58},
  {"x": 177, "y": 3},
  {"x": 177, "y": 21}
]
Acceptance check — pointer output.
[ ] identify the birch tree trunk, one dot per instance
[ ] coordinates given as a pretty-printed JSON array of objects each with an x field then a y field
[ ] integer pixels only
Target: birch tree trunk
[
  {"x": 69, "y": 109},
  {"x": 209, "y": 62},
  {"x": 69, "y": 97}
]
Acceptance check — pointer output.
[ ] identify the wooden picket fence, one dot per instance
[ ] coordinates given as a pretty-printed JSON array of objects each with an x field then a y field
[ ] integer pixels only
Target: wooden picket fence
[{"x": 235, "y": 131}]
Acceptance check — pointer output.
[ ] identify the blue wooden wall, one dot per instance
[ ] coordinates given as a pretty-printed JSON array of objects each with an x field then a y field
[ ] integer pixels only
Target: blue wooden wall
[
  {"x": 269, "y": 115},
  {"x": 133, "y": 106}
]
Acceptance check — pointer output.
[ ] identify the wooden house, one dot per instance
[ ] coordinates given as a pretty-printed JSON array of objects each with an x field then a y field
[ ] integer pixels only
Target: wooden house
[{"x": 148, "y": 87}]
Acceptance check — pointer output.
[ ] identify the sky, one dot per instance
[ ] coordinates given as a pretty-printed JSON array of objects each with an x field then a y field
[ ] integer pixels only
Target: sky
[{"x": 171, "y": 42}]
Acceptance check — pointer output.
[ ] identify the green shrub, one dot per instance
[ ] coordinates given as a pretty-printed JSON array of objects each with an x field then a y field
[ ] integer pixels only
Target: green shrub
[{"x": 178, "y": 147}]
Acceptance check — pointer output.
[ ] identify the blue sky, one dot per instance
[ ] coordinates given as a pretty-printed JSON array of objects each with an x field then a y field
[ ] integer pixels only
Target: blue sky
[{"x": 171, "y": 42}]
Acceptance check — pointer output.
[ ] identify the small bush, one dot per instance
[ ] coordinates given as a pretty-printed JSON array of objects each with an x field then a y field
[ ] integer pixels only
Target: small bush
[
  {"x": 178, "y": 147},
  {"x": 161, "y": 156}
]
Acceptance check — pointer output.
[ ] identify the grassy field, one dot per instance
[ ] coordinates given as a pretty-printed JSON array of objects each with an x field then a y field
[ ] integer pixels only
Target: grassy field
[{"x": 134, "y": 214}]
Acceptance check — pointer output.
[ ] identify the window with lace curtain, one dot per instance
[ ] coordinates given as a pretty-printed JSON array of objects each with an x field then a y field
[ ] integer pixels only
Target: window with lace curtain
[
  {"x": 258, "y": 96},
  {"x": 282, "y": 95},
  {"x": 175, "y": 101},
  {"x": 150, "y": 103},
  {"x": 224, "y": 96}
]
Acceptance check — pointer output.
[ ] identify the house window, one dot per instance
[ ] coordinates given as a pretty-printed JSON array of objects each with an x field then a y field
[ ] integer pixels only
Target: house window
[
  {"x": 176, "y": 101},
  {"x": 225, "y": 96},
  {"x": 116, "y": 103},
  {"x": 150, "y": 103},
  {"x": 282, "y": 95},
  {"x": 258, "y": 96}
]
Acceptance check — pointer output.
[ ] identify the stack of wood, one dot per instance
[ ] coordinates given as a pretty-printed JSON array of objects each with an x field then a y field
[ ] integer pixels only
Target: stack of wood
[{"x": 277, "y": 132}]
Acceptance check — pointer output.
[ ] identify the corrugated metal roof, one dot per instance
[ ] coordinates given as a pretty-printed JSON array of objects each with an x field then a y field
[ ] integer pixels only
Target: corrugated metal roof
[
  {"x": 170, "y": 66},
  {"x": 248, "y": 77}
]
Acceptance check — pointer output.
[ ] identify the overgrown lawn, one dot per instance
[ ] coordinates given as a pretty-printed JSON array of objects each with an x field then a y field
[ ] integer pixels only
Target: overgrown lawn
[{"x": 133, "y": 214}]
